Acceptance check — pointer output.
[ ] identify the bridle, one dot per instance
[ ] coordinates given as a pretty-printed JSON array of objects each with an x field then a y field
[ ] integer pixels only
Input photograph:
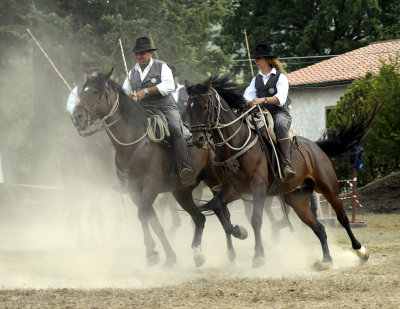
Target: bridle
[
  {"x": 207, "y": 126},
  {"x": 216, "y": 125},
  {"x": 91, "y": 112}
]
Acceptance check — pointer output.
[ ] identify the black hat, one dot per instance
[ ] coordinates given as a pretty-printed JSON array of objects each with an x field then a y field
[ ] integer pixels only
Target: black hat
[
  {"x": 143, "y": 44},
  {"x": 174, "y": 71},
  {"x": 263, "y": 50},
  {"x": 90, "y": 66}
]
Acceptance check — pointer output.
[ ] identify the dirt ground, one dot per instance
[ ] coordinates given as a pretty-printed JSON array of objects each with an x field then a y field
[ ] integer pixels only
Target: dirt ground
[
  {"x": 94, "y": 257},
  {"x": 89, "y": 278}
]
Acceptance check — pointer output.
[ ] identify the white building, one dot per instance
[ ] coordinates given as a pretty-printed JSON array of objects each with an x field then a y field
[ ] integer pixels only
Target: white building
[{"x": 315, "y": 89}]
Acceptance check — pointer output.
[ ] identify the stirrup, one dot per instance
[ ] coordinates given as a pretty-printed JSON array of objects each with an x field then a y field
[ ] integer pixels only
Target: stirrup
[{"x": 186, "y": 175}]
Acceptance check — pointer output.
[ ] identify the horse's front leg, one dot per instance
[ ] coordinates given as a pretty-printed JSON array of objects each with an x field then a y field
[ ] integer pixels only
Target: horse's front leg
[
  {"x": 158, "y": 229},
  {"x": 229, "y": 244},
  {"x": 185, "y": 199},
  {"x": 216, "y": 205},
  {"x": 256, "y": 223},
  {"x": 146, "y": 215}
]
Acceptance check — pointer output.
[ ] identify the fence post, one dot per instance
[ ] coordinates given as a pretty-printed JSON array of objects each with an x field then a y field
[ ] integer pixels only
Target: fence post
[{"x": 353, "y": 202}]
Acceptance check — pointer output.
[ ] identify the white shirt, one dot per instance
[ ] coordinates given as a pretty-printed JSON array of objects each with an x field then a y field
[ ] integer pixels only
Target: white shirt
[
  {"x": 282, "y": 87},
  {"x": 175, "y": 93},
  {"x": 167, "y": 84},
  {"x": 72, "y": 100}
]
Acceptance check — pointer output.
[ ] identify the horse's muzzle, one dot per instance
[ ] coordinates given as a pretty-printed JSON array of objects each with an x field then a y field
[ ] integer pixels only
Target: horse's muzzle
[
  {"x": 200, "y": 141},
  {"x": 80, "y": 120}
]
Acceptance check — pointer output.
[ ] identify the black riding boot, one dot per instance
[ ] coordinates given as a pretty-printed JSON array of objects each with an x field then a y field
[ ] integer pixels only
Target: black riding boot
[
  {"x": 185, "y": 172},
  {"x": 286, "y": 167}
]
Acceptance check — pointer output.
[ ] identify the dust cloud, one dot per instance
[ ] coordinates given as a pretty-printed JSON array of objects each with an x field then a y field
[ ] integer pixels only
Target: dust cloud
[{"x": 102, "y": 247}]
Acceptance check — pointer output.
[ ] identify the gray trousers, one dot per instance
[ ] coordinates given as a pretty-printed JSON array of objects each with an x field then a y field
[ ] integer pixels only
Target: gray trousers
[
  {"x": 170, "y": 112},
  {"x": 282, "y": 122}
]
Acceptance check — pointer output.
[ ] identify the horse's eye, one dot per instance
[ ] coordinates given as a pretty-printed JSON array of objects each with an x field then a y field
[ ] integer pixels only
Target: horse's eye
[{"x": 205, "y": 107}]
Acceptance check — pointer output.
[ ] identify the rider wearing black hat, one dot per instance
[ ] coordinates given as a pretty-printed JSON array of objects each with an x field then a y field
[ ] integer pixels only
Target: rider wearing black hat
[
  {"x": 270, "y": 89},
  {"x": 152, "y": 81}
]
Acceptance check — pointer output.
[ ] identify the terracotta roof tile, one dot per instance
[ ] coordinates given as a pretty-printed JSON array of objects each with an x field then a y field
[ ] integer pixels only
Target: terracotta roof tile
[{"x": 348, "y": 66}]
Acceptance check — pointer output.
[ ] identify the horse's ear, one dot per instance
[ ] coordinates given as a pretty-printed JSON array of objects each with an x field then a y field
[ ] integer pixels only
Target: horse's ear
[
  {"x": 208, "y": 82},
  {"x": 188, "y": 83},
  {"x": 108, "y": 74}
]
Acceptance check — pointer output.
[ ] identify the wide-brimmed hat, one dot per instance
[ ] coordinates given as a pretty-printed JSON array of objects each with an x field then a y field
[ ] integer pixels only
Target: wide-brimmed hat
[
  {"x": 174, "y": 71},
  {"x": 90, "y": 66},
  {"x": 143, "y": 44},
  {"x": 263, "y": 50}
]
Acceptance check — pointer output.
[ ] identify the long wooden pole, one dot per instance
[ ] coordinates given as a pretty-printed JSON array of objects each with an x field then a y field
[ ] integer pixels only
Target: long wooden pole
[
  {"x": 51, "y": 63},
  {"x": 126, "y": 71},
  {"x": 152, "y": 44},
  {"x": 248, "y": 52},
  {"x": 125, "y": 66}
]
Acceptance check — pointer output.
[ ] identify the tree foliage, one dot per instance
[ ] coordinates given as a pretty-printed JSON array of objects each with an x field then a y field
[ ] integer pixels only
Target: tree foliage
[
  {"x": 382, "y": 144},
  {"x": 307, "y": 28}
]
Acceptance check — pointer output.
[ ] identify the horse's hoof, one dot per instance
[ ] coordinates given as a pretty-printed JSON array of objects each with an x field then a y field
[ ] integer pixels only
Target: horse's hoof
[
  {"x": 258, "y": 261},
  {"x": 170, "y": 261},
  {"x": 198, "y": 257},
  {"x": 153, "y": 259},
  {"x": 239, "y": 232},
  {"x": 362, "y": 253},
  {"x": 321, "y": 266},
  {"x": 232, "y": 256}
]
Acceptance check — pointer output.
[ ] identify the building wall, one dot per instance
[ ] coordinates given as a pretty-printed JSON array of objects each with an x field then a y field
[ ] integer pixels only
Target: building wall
[{"x": 308, "y": 109}]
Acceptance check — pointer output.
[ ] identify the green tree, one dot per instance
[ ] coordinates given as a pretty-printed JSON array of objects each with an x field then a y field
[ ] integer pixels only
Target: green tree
[
  {"x": 305, "y": 28},
  {"x": 382, "y": 144}
]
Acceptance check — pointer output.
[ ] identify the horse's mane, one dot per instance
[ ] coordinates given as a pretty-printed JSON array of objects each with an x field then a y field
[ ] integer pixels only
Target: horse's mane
[
  {"x": 229, "y": 91},
  {"x": 131, "y": 112},
  {"x": 226, "y": 88}
]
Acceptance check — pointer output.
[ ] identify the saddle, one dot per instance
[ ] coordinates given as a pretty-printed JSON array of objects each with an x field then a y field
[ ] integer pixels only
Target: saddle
[
  {"x": 268, "y": 133},
  {"x": 152, "y": 112}
]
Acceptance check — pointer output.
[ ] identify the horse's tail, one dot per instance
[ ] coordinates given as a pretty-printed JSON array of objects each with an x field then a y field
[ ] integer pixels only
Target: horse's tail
[{"x": 349, "y": 134}]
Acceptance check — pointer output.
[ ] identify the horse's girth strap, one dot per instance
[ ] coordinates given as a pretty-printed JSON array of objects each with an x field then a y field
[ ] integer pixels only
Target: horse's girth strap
[{"x": 232, "y": 162}]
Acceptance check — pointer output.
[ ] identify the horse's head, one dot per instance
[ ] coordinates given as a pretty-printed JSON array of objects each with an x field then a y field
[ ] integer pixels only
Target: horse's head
[
  {"x": 202, "y": 110},
  {"x": 94, "y": 102}
]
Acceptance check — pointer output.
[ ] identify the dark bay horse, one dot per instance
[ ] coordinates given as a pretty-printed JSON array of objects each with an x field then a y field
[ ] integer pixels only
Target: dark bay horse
[
  {"x": 144, "y": 166},
  {"x": 247, "y": 170}
]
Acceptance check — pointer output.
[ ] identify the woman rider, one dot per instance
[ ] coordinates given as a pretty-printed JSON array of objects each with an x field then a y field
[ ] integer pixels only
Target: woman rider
[{"x": 270, "y": 90}]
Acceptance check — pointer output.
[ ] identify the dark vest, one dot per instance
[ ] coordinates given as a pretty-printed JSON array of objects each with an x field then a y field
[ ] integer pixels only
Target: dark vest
[
  {"x": 152, "y": 78},
  {"x": 269, "y": 90}
]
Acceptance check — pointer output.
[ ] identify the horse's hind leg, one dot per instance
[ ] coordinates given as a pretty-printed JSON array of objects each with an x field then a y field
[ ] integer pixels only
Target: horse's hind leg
[
  {"x": 185, "y": 199},
  {"x": 299, "y": 200},
  {"x": 331, "y": 193}
]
